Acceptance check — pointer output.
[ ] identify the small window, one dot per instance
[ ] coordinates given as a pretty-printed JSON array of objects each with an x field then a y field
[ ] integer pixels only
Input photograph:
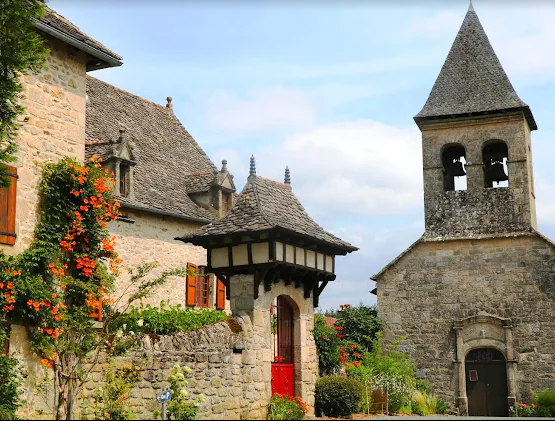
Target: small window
[
  {"x": 226, "y": 202},
  {"x": 453, "y": 159},
  {"x": 198, "y": 286},
  {"x": 496, "y": 173},
  {"x": 124, "y": 180},
  {"x": 203, "y": 287},
  {"x": 8, "y": 196}
]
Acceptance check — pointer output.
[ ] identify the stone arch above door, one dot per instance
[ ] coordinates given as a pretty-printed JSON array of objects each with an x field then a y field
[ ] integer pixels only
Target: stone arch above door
[{"x": 483, "y": 331}]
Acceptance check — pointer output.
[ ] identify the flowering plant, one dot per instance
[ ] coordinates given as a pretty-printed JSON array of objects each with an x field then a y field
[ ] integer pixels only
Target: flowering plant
[
  {"x": 283, "y": 407},
  {"x": 525, "y": 410},
  {"x": 180, "y": 407}
]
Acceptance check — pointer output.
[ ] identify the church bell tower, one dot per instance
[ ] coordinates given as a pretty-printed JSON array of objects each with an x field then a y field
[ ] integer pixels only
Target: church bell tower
[{"x": 477, "y": 158}]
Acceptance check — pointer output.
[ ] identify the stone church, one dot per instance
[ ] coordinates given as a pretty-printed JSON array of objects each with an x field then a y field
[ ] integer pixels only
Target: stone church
[{"x": 474, "y": 297}]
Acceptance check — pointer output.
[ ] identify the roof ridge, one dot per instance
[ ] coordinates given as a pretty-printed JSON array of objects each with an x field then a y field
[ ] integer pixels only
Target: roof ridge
[
  {"x": 128, "y": 93},
  {"x": 274, "y": 181}
]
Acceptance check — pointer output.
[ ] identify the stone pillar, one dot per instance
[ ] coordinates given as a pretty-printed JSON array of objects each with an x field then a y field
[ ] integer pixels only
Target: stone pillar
[
  {"x": 258, "y": 354},
  {"x": 462, "y": 400}
]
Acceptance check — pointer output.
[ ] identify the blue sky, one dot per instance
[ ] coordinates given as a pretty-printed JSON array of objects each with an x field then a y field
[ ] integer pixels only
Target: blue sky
[{"x": 328, "y": 88}]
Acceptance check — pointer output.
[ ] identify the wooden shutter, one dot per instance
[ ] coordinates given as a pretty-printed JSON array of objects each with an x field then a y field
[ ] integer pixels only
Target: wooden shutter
[
  {"x": 220, "y": 295},
  {"x": 191, "y": 293},
  {"x": 8, "y": 197}
]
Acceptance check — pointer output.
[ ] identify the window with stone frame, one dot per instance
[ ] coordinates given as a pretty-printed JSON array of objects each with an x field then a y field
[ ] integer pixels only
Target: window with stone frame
[
  {"x": 124, "y": 180},
  {"x": 8, "y": 199},
  {"x": 226, "y": 201}
]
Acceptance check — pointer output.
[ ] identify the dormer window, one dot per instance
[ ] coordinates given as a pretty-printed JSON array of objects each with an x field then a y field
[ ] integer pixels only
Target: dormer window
[
  {"x": 226, "y": 202},
  {"x": 124, "y": 180}
]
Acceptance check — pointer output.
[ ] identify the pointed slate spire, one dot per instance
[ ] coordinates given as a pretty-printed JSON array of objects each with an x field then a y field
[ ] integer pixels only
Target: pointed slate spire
[
  {"x": 287, "y": 176},
  {"x": 253, "y": 166},
  {"x": 472, "y": 80}
]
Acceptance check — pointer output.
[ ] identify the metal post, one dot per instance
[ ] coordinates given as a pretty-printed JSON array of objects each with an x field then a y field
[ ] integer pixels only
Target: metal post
[
  {"x": 164, "y": 410},
  {"x": 387, "y": 398}
]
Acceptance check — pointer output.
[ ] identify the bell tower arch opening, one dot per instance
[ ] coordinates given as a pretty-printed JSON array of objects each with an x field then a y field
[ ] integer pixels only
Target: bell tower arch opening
[
  {"x": 495, "y": 155},
  {"x": 453, "y": 158}
]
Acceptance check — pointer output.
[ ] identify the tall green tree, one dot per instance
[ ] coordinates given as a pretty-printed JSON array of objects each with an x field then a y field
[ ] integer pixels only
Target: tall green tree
[{"x": 21, "y": 51}]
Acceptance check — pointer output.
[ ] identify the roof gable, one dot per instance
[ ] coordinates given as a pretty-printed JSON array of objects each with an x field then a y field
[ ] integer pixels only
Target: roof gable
[
  {"x": 472, "y": 79},
  {"x": 164, "y": 152}
]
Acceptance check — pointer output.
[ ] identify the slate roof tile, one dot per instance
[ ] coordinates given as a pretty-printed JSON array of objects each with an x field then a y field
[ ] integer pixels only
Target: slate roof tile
[
  {"x": 56, "y": 21},
  {"x": 472, "y": 79},
  {"x": 266, "y": 204},
  {"x": 165, "y": 153}
]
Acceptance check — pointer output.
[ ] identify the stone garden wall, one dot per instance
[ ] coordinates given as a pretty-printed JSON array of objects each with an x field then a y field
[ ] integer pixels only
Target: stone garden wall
[{"x": 224, "y": 370}]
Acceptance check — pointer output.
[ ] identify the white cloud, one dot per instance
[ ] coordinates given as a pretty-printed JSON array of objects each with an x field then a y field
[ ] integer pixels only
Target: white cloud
[
  {"x": 263, "y": 110},
  {"x": 362, "y": 167}
]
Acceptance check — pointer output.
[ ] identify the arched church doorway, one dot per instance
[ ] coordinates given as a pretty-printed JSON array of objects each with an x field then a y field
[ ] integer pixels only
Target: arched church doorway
[
  {"x": 283, "y": 366},
  {"x": 486, "y": 383}
]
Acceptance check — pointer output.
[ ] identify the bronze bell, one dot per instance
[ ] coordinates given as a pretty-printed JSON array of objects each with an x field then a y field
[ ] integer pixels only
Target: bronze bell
[
  {"x": 455, "y": 169},
  {"x": 496, "y": 172}
]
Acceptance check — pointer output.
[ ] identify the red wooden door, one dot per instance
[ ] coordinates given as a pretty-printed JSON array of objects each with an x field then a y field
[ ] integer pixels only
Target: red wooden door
[{"x": 283, "y": 367}]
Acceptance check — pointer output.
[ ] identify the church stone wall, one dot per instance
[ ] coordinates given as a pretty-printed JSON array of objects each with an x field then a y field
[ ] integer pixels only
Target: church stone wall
[
  {"x": 429, "y": 289},
  {"x": 55, "y": 107}
]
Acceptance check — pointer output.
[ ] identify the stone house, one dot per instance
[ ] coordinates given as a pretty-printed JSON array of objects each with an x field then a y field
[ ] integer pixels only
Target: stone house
[
  {"x": 165, "y": 182},
  {"x": 475, "y": 295}
]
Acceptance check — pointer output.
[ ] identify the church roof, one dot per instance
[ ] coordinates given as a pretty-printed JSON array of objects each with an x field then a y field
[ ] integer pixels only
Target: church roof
[
  {"x": 164, "y": 151},
  {"x": 472, "y": 80},
  {"x": 265, "y": 205}
]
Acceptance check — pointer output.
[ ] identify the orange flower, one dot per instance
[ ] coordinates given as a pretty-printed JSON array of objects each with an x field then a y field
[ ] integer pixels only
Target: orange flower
[
  {"x": 53, "y": 295},
  {"x": 49, "y": 331},
  {"x": 63, "y": 287},
  {"x": 44, "y": 361},
  {"x": 51, "y": 265},
  {"x": 53, "y": 357}
]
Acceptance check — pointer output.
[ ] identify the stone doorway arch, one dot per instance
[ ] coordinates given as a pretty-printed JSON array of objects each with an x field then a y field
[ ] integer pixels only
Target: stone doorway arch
[{"x": 484, "y": 331}]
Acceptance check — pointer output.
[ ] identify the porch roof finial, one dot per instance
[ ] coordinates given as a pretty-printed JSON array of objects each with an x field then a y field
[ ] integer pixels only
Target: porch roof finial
[
  {"x": 287, "y": 176},
  {"x": 253, "y": 166}
]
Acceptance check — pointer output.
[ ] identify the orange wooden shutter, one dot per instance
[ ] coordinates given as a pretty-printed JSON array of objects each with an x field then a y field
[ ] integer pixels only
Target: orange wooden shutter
[
  {"x": 220, "y": 295},
  {"x": 191, "y": 285},
  {"x": 8, "y": 197}
]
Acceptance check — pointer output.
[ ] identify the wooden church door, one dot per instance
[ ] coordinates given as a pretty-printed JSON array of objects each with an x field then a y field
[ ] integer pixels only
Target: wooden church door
[
  {"x": 486, "y": 383},
  {"x": 283, "y": 371}
]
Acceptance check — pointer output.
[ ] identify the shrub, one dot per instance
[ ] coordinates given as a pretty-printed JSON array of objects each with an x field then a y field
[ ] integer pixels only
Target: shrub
[
  {"x": 545, "y": 404},
  {"x": 327, "y": 346},
  {"x": 425, "y": 404},
  {"x": 111, "y": 400},
  {"x": 10, "y": 380},
  {"x": 389, "y": 370},
  {"x": 286, "y": 408},
  {"x": 360, "y": 324},
  {"x": 337, "y": 396},
  {"x": 165, "y": 320}
]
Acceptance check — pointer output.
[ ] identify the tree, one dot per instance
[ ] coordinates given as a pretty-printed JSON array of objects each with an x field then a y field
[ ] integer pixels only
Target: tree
[{"x": 21, "y": 51}]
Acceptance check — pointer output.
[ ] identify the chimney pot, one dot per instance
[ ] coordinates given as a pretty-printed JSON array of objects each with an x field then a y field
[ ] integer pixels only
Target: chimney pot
[{"x": 169, "y": 104}]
